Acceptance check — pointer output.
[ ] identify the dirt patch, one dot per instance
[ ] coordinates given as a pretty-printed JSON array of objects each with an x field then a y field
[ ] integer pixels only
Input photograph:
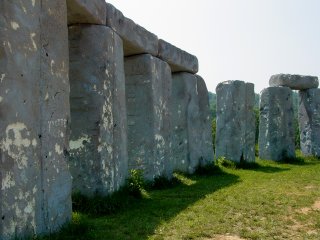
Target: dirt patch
[
  {"x": 316, "y": 205},
  {"x": 225, "y": 237},
  {"x": 304, "y": 210}
]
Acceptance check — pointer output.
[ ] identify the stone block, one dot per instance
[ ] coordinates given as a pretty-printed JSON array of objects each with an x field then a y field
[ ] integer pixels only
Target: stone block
[
  {"x": 178, "y": 59},
  {"x": 296, "y": 82},
  {"x": 205, "y": 130},
  {"x": 35, "y": 195},
  {"x": 86, "y": 12},
  {"x": 309, "y": 121},
  {"x": 235, "y": 134},
  {"x": 98, "y": 145},
  {"x": 276, "y": 129},
  {"x": 136, "y": 39},
  {"x": 187, "y": 134},
  {"x": 148, "y": 91}
]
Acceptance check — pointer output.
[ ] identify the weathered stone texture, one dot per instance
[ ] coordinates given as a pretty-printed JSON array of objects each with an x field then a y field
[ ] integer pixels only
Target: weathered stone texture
[
  {"x": 235, "y": 134},
  {"x": 178, "y": 59},
  {"x": 188, "y": 149},
  {"x": 206, "y": 146},
  {"x": 35, "y": 195},
  {"x": 136, "y": 39},
  {"x": 98, "y": 145},
  {"x": 86, "y": 11},
  {"x": 296, "y": 82},
  {"x": 309, "y": 121},
  {"x": 148, "y": 91},
  {"x": 276, "y": 129}
]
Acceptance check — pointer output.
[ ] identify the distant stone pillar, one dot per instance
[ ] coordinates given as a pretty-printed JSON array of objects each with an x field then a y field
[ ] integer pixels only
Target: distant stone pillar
[
  {"x": 189, "y": 123},
  {"x": 309, "y": 121},
  {"x": 35, "y": 193},
  {"x": 206, "y": 143},
  {"x": 276, "y": 131},
  {"x": 148, "y": 91},
  {"x": 98, "y": 144},
  {"x": 235, "y": 134}
]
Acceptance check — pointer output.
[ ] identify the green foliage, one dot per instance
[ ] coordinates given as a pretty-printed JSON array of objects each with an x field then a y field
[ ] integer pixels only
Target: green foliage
[
  {"x": 99, "y": 205},
  {"x": 136, "y": 183},
  {"x": 257, "y": 117},
  {"x": 223, "y": 162},
  {"x": 213, "y": 104},
  {"x": 213, "y": 130}
]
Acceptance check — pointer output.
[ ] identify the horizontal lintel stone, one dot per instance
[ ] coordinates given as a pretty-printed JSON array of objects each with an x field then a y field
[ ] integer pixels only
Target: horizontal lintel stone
[
  {"x": 86, "y": 12},
  {"x": 295, "y": 82},
  {"x": 178, "y": 59},
  {"x": 136, "y": 39}
]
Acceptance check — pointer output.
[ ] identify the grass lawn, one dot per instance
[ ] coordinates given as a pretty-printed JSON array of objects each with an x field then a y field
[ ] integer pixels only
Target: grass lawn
[{"x": 269, "y": 201}]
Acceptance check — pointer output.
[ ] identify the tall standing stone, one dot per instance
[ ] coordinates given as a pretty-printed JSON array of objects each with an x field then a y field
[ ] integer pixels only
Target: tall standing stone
[
  {"x": 187, "y": 137},
  {"x": 148, "y": 91},
  {"x": 35, "y": 195},
  {"x": 276, "y": 130},
  {"x": 309, "y": 121},
  {"x": 235, "y": 134},
  {"x": 206, "y": 143},
  {"x": 98, "y": 145}
]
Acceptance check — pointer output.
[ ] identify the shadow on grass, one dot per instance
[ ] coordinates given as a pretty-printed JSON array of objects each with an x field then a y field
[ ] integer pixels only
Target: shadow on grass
[
  {"x": 301, "y": 160},
  {"x": 139, "y": 218},
  {"x": 254, "y": 166},
  {"x": 268, "y": 169}
]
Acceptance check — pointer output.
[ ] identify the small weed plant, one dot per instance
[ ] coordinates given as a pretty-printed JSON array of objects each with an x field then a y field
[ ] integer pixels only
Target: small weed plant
[{"x": 136, "y": 183}]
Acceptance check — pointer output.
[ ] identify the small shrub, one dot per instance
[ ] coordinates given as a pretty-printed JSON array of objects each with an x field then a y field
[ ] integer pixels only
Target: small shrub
[
  {"x": 222, "y": 161},
  {"x": 136, "y": 183}
]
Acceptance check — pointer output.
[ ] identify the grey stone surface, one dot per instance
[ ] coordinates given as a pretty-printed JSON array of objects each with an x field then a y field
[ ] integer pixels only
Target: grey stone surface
[
  {"x": 86, "y": 12},
  {"x": 98, "y": 144},
  {"x": 35, "y": 195},
  {"x": 148, "y": 91},
  {"x": 206, "y": 146},
  {"x": 136, "y": 39},
  {"x": 187, "y": 143},
  {"x": 296, "y": 82},
  {"x": 276, "y": 129},
  {"x": 235, "y": 134},
  {"x": 309, "y": 121},
  {"x": 178, "y": 59}
]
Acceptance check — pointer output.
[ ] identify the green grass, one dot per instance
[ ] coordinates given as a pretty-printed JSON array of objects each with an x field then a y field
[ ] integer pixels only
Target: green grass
[{"x": 266, "y": 200}]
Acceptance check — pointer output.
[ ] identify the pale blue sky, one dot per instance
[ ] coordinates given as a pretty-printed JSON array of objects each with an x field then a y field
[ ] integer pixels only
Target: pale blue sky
[{"x": 236, "y": 39}]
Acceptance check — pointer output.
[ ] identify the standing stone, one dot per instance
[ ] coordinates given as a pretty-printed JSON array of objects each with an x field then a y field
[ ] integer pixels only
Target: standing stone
[
  {"x": 235, "y": 134},
  {"x": 98, "y": 145},
  {"x": 148, "y": 91},
  {"x": 309, "y": 121},
  {"x": 206, "y": 146},
  {"x": 276, "y": 130},
  {"x": 35, "y": 196},
  {"x": 187, "y": 132}
]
